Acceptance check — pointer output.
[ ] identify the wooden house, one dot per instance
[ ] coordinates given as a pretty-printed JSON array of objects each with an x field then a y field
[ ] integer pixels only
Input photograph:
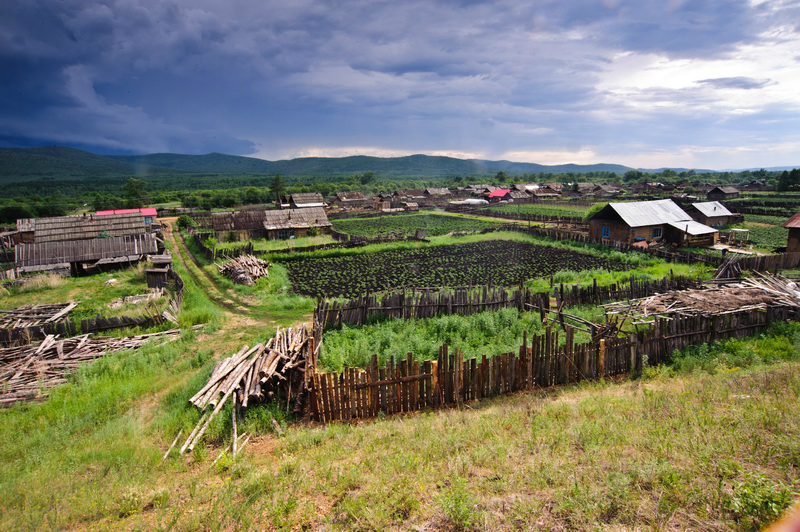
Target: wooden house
[
  {"x": 711, "y": 213},
  {"x": 437, "y": 193},
  {"x": 722, "y": 193},
  {"x": 497, "y": 195},
  {"x": 148, "y": 213},
  {"x": 351, "y": 200},
  {"x": 650, "y": 221},
  {"x": 793, "y": 225},
  {"x": 84, "y": 254},
  {"x": 80, "y": 227},
  {"x": 274, "y": 224},
  {"x": 302, "y": 200}
]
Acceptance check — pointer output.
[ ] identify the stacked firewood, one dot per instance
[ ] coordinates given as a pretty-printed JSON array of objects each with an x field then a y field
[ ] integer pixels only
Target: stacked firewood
[
  {"x": 262, "y": 372},
  {"x": 244, "y": 269},
  {"x": 28, "y": 371}
]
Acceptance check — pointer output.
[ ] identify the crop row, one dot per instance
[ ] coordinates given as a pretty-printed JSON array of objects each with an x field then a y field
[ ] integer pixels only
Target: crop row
[
  {"x": 434, "y": 224},
  {"x": 498, "y": 262},
  {"x": 544, "y": 209}
]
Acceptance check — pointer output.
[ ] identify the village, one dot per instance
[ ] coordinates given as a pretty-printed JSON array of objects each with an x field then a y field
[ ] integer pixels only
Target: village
[{"x": 290, "y": 298}]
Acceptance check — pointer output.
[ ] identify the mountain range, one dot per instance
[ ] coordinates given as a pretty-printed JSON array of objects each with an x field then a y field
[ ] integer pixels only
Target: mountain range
[{"x": 63, "y": 163}]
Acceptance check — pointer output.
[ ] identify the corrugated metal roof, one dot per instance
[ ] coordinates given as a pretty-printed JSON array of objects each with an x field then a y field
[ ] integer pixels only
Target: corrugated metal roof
[
  {"x": 499, "y": 192},
  {"x": 644, "y": 213},
  {"x": 693, "y": 228},
  {"x": 712, "y": 208},
  {"x": 144, "y": 211}
]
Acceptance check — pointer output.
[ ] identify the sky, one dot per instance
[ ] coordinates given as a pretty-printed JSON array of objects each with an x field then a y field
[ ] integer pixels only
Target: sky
[{"x": 644, "y": 83}]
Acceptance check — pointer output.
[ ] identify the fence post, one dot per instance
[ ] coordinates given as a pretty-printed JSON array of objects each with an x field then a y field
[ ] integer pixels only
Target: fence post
[{"x": 601, "y": 353}]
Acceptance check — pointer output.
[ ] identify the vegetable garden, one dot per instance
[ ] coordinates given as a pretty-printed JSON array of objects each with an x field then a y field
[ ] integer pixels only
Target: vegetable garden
[{"x": 498, "y": 262}]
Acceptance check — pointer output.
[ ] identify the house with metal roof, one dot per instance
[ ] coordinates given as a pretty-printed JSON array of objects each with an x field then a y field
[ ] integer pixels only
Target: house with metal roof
[
  {"x": 711, "y": 213},
  {"x": 303, "y": 200},
  {"x": 722, "y": 193},
  {"x": 650, "y": 221},
  {"x": 793, "y": 225}
]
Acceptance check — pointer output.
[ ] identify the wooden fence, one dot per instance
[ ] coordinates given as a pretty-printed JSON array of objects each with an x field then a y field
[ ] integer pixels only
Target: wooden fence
[
  {"x": 429, "y": 302},
  {"x": 25, "y": 335},
  {"x": 527, "y": 217},
  {"x": 410, "y": 385}
]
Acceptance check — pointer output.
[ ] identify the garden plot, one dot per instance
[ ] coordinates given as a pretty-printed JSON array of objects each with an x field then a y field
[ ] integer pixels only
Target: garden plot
[
  {"x": 433, "y": 224},
  {"x": 497, "y": 262}
]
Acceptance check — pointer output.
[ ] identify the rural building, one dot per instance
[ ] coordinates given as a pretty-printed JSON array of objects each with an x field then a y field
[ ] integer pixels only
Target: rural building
[
  {"x": 80, "y": 227},
  {"x": 711, "y": 213},
  {"x": 793, "y": 225},
  {"x": 351, "y": 200},
  {"x": 84, "y": 254},
  {"x": 650, "y": 221},
  {"x": 149, "y": 213},
  {"x": 497, "y": 195},
  {"x": 519, "y": 196},
  {"x": 437, "y": 192},
  {"x": 306, "y": 199},
  {"x": 605, "y": 191},
  {"x": 722, "y": 193},
  {"x": 274, "y": 224}
]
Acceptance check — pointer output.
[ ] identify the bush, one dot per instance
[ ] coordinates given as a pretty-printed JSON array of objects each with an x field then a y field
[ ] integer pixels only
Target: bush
[{"x": 185, "y": 221}]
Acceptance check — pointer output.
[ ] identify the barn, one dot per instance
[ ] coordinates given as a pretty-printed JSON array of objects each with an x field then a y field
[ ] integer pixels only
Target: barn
[
  {"x": 722, "y": 193},
  {"x": 302, "y": 200},
  {"x": 80, "y": 227},
  {"x": 650, "y": 221}
]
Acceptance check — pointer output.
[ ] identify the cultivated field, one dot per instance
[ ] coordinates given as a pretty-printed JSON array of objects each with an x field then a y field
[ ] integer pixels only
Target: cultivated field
[{"x": 500, "y": 262}]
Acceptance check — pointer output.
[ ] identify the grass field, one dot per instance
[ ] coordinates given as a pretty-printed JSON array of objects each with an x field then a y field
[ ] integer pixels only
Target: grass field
[
  {"x": 708, "y": 442},
  {"x": 544, "y": 209},
  {"x": 710, "y": 445},
  {"x": 407, "y": 224}
]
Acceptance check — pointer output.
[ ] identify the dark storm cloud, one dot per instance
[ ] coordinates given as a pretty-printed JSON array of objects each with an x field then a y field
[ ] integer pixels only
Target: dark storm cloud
[{"x": 207, "y": 75}]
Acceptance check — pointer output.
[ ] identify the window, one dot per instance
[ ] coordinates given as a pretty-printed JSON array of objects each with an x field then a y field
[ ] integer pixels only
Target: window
[
  {"x": 657, "y": 232},
  {"x": 606, "y": 231}
]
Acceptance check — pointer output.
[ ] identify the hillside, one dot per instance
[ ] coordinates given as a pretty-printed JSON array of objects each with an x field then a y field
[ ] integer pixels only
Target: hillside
[{"x": 62, "y": 163}]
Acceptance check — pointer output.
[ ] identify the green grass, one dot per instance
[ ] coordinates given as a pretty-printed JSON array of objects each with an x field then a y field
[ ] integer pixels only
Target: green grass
[
  {"x": 407, "y": 224},
  {"x": 263, "y": 244},
  {"x": 488, "y": 333},
  {"x": 544, "y": 209},
  {"x": 763, "y": 237},
  {"x": 91, "y": 292}
]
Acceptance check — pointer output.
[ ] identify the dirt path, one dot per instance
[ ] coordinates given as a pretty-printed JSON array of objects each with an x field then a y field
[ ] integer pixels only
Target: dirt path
[{"x": 219, "y": 296}]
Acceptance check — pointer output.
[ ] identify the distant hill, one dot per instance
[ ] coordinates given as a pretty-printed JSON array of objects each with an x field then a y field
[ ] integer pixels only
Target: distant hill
[
  {"x": 60, "y": 162},
  {"x": 424, "y": 166}
]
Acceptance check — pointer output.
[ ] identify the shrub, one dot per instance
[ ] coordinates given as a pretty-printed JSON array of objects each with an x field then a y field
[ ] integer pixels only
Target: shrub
[{"x": 185, "y": 221}]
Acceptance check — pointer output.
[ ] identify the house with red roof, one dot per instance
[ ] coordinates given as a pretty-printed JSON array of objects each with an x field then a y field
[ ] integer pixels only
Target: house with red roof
[
  {"x": 149, "y": 213},
  {"x": 498, "y": 194}
]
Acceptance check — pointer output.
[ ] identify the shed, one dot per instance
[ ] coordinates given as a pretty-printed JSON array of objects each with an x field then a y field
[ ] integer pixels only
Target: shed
[
  {"x": 148, "y": 213},
  {"x": 351, "y": 199},
  {"x": 436, "y": 192},
  {"x": 497, "y": 194},
  {"x": 793, "y": 225},
  {"x": 722, "y": 193},
  {"x": 711, "y": 213}
]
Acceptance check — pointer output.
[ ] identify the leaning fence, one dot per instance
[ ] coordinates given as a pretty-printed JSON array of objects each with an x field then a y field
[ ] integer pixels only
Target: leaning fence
[
  {"x": 542, "y": 361},
  {"x": 429, "y": 302}
]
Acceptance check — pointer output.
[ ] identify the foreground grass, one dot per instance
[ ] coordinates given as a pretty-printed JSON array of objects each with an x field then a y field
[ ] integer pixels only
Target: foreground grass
[
  {"x": 699, "y": 452},
  {"x": 704, "y": 445}
]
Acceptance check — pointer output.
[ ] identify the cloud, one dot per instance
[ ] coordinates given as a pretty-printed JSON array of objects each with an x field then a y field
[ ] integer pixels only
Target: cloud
[
  {"x": 563, "y": 81},
  {"x": 738, "y": 82}
]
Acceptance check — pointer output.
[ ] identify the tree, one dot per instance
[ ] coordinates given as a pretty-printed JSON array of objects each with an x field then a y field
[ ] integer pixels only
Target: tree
[
  {"x": 135, "y": 193},
  {"x": 632, "y": 175},
  {"x": 501, "y": 177},
  {"x": 366, "y": 178},
  {"x": 276, "y": 188}
]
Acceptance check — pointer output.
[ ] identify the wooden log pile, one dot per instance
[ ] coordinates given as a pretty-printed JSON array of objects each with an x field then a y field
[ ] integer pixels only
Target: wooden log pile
[
  {"x": 271, "y": 371},
  {"x": 759, "y": 292},
  {"x": 244, "y": 269},
  {"x": 34, "y": 315},
  {"x": 27, "y": 372}
]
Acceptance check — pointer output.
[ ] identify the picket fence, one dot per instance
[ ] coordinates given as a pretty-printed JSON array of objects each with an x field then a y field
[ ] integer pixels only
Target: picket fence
[
  {"x": 465, "y": 300},
  {"x": 410, "y": 385}
]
